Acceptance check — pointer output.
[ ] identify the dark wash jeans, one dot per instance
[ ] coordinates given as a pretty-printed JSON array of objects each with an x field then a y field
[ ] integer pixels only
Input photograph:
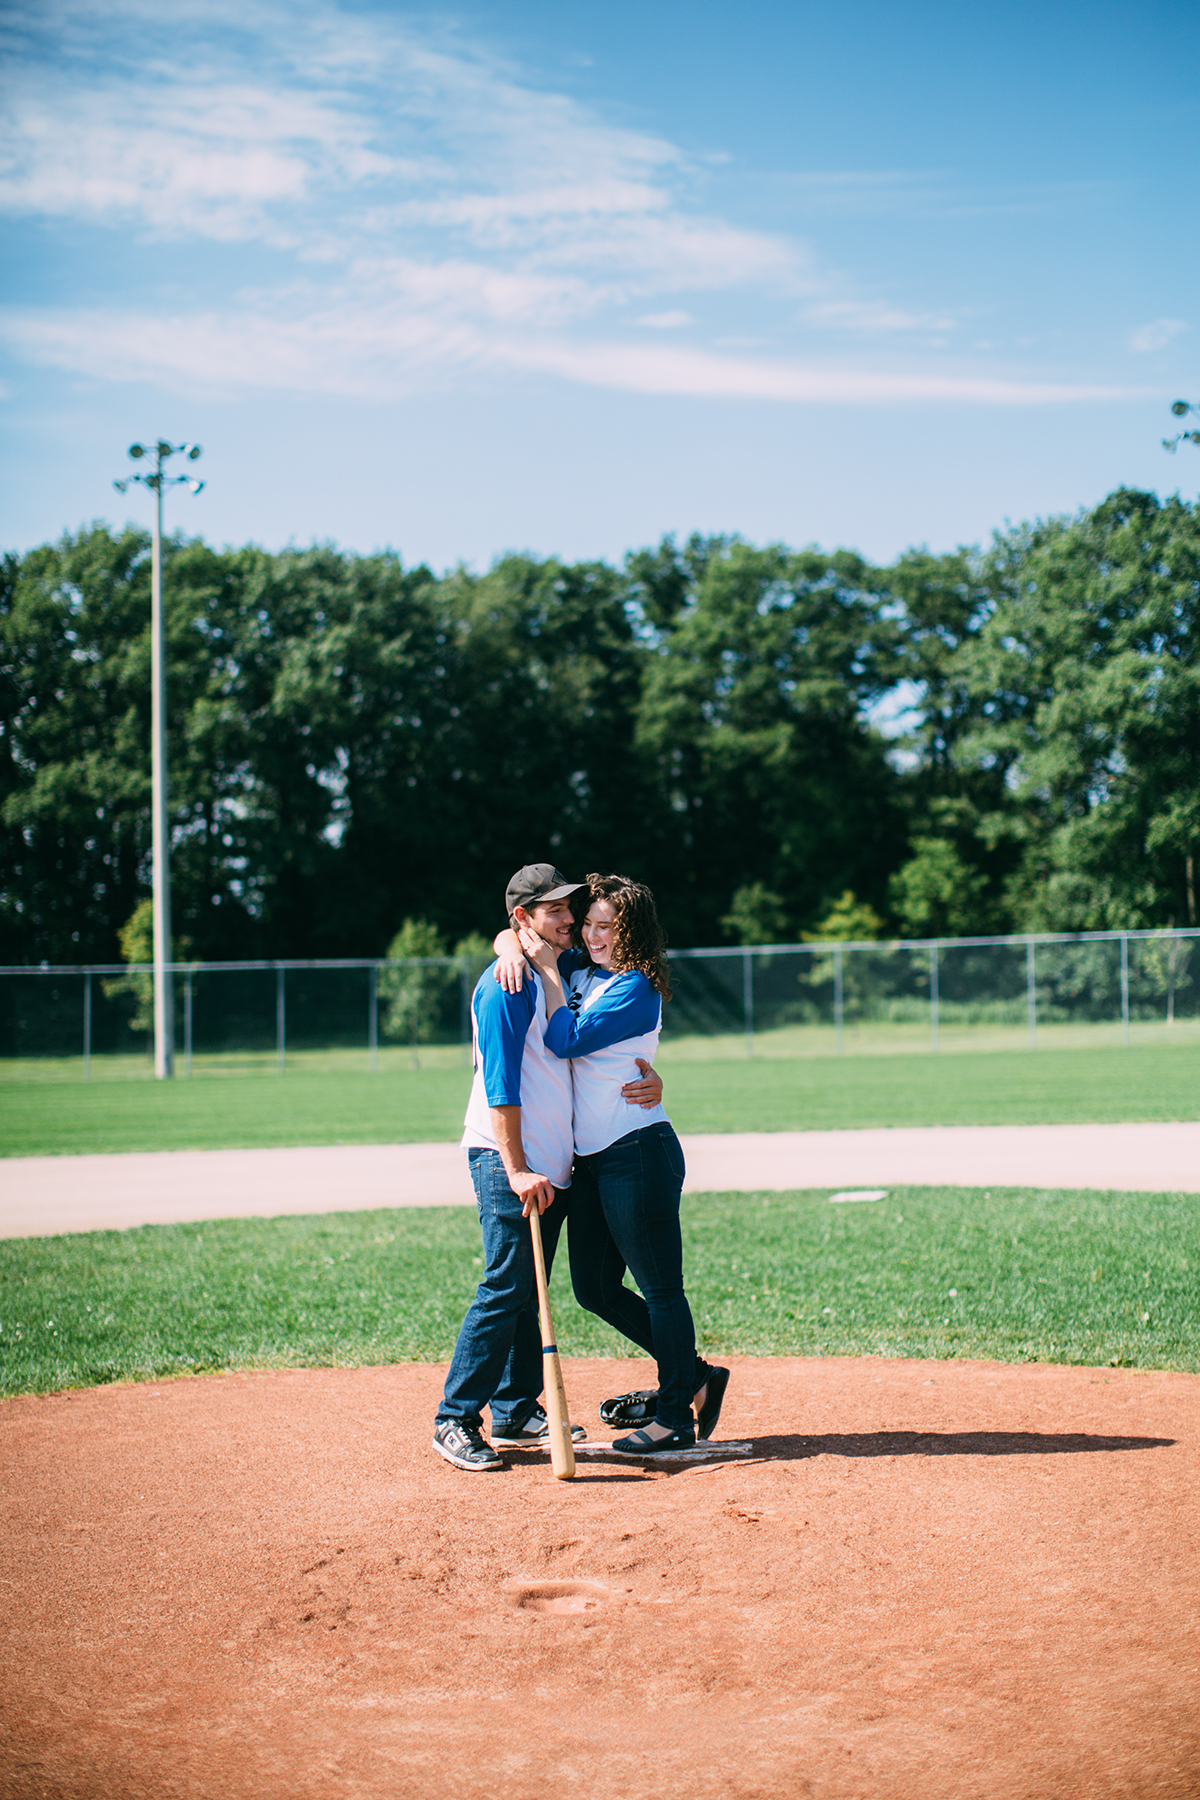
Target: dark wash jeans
[
  {"x": 625, "y": 1215},
  {"x": 498, "y": 1356}
]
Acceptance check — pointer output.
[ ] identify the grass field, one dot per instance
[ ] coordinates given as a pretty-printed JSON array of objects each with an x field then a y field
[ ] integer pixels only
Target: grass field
[
  {"x": 1009, "y": 1275},
  {"x": 324, "y": 1103}
]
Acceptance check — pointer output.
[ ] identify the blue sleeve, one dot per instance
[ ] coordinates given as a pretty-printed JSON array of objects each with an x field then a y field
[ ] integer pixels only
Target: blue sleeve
[
  {"x": 568, "y": 962},
  {"x": 627, "y": 1008},
  {"x": 502, "y": 1022}
]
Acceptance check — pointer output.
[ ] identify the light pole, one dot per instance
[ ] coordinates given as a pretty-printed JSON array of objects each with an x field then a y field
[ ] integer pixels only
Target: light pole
[{"x": 164, "y": 997}]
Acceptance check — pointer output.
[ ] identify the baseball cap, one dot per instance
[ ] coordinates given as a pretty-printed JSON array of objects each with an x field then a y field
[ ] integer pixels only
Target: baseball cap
[{"x": 537, "y": 882}]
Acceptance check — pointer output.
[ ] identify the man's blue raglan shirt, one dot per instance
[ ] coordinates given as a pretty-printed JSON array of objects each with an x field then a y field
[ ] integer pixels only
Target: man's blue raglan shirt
[{"x": 502, "y": 1024}]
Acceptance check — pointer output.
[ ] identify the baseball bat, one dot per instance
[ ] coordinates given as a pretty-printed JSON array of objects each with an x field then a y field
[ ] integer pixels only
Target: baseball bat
[{"x": 562, "y": 1453}]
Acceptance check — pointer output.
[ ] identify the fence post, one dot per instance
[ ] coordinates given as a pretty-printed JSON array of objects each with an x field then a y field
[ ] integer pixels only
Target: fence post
[
  {"x": 837, "y": 996},
  {"x": 933, "y": 995},
  {"x": 280, "y": 1021},
  {"x": 1030, "y": 994},
  {"x": 187, "y": 1024},
  {"x": 373, "y": 1016},
  {"x": 464, "y": 980},
  {"x": 748, "y": 1001},
  {"x": 1124, "y": 987},
  {"x": 87, "y": 1026}
]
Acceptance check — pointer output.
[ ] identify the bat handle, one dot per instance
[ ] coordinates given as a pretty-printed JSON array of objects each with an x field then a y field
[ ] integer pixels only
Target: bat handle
[
  {"x": 562, "y": 1451},
  {"x": 539, "y": 1267}
]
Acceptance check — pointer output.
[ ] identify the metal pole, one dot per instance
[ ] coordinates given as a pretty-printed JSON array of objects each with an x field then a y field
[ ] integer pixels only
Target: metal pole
[
  {"x": 373, "y": 1016},
  {"x": 1124, "y": 987},
  {"x": 1030, "y": 994},
  {"x": 464, "y": 976},
  {"x": 837, "y": 996},
  {"x": 187, "y": 1022},
  {"x": 933, "y": 996},
  {"x": 164, "y": 986},
  {"x": 87, "y": 1026},
  {"x": 164, "y": 996},
  {"x": 748, "y": 1001},
  {"x": 280, "y": 1022}
]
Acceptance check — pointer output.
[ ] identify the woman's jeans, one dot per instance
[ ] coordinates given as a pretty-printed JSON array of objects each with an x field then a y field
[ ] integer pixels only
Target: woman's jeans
[
  {"x": 498, "y": 1356},
  {"x": 625, "y": 1215}
]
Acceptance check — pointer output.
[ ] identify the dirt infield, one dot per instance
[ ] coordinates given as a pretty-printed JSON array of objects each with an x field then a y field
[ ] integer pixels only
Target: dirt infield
[{"x": 922, "y": 1582}]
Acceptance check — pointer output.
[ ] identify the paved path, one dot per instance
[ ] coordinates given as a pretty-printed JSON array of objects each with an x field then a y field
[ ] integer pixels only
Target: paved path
[{"x": 43, "y": 1195}]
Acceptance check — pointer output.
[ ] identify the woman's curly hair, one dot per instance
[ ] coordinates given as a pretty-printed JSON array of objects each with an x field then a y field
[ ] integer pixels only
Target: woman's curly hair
[{"x": 638, "y": 939}]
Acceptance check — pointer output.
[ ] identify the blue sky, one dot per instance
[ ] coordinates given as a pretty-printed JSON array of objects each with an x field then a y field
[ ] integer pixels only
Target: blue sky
[{"x": 566, "y": 277}]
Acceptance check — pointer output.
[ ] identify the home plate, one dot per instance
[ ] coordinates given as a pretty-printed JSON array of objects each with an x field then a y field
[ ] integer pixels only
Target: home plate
[
  {"x": 699, "y": 1452},
  {"x": 858, "y": 1194}
]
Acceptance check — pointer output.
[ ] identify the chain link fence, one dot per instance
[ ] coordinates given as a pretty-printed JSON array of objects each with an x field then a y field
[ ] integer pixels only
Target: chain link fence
[
  {"x": 772, "y": 1000},
  {"x": 986, "y": 992}
]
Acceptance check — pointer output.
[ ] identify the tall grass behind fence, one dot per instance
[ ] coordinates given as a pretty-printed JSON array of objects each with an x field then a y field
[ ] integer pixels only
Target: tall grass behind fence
[{"x": 777, "y": 1000}]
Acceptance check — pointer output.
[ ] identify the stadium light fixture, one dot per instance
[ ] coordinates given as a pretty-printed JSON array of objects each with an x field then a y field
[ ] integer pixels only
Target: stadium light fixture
[
  {"x": 156, "y": 479},
  {"x": 1181, "y": 409}
]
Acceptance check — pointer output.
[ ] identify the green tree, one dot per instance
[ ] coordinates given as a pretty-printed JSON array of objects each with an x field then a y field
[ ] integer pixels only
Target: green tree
[
  {"x": 412, "y": 994},
  {"x": 752, "y": 723},
  {"x": 137, "y": 946},
  {"x": 848, "y": 921},
  {"x": 1087, "y": 675},
  {"x": 74, "y": 763},
  {"x": 755, "y": 916},
  {"x": 955, "y": 799},
  {"x": 864, "y": 977},
  {"x": 935, "y": 893},
  {"x": 136, "y": 938}
]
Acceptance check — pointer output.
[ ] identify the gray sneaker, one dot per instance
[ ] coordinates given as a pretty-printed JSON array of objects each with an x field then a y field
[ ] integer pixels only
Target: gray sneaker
[
  {"x": 534, "y": 1433},
  {"x": 464, "y": 1445}
]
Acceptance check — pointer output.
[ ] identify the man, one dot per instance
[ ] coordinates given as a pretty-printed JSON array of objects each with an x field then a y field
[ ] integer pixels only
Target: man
[{"x": 518, "y": 1140}]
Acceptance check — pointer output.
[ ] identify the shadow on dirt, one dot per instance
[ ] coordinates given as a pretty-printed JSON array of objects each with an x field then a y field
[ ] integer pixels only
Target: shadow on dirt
[{"x": 946, "y": 1443}]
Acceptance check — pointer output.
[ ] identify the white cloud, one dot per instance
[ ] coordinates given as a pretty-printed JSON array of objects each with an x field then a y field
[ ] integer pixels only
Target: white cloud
[
  {"x": 664, "y": 369},
  {"x": 1157, "y": 335},
  {"x": 441, "y": 214},
  {"x": 370, "y": 350},
  {"x": 183, "y": 159},
  {"x": 875, "y": 316}
]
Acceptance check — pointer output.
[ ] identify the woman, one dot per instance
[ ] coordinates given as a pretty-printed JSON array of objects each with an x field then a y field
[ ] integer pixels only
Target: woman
[{"x": 604, "y": 1011}]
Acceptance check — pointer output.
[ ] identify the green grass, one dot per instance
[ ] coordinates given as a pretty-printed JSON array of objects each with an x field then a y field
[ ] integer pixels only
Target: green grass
[
  {"x": 1071, "y": 1278},
  {"x": 328, "y": 1104},
  {"x": 60, "y": 1118}
]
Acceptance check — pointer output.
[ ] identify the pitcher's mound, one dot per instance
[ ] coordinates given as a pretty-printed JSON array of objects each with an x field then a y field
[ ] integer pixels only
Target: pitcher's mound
[{"x": 909, "y": 1581}]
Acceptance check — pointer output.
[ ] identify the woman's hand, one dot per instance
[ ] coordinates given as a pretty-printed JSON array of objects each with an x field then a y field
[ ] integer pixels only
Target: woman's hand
[
  {"x": 542, "y": 955},
  {"x": 510, "y": 961}
]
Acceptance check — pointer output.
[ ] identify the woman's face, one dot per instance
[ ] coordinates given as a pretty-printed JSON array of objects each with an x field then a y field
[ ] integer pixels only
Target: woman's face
[{"x": 598, "y": 930}]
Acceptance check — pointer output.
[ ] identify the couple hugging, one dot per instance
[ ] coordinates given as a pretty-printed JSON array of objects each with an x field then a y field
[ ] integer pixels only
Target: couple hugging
[{"x": 565, "y": 1025}]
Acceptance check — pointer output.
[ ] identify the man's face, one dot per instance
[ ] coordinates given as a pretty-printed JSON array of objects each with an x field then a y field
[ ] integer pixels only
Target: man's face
[{"x": 551, "y": 919}]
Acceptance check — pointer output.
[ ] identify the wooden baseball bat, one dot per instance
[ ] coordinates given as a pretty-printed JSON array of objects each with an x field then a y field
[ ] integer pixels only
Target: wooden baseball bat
[{"x": 562, "y": 1452}]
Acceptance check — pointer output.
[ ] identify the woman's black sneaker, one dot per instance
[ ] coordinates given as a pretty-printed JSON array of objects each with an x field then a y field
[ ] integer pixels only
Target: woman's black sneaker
[
  {"x": 464, "y": 1445},
  {"x": 714, "y": 1394},
  {"x": 640, "y": 1443}
]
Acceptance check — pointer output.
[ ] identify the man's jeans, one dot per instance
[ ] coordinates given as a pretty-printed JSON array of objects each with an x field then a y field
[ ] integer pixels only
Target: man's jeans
[
  {"x": 498, "y": 1356},
  {"x": 625, "y": 1214}
]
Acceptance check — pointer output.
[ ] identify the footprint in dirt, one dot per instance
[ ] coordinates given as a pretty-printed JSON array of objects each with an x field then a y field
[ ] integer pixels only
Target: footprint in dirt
[{"x": 559, "y": 1596}]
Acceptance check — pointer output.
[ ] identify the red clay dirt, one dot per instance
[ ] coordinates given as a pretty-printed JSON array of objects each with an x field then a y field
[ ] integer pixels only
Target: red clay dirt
[{"x": 923, "y": 1582}]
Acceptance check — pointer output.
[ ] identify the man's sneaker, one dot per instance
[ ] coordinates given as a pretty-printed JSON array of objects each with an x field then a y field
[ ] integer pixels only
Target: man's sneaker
[
  {"x": 535, "y": 1433},
  {"x": 464, "y": 1446}
]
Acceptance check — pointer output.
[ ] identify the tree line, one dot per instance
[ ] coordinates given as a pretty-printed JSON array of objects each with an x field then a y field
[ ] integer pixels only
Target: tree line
[{"x": 994, "y": 739}]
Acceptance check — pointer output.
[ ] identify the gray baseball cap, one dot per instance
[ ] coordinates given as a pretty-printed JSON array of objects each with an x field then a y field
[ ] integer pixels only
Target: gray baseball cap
[{"x": 535, "y": 883}]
